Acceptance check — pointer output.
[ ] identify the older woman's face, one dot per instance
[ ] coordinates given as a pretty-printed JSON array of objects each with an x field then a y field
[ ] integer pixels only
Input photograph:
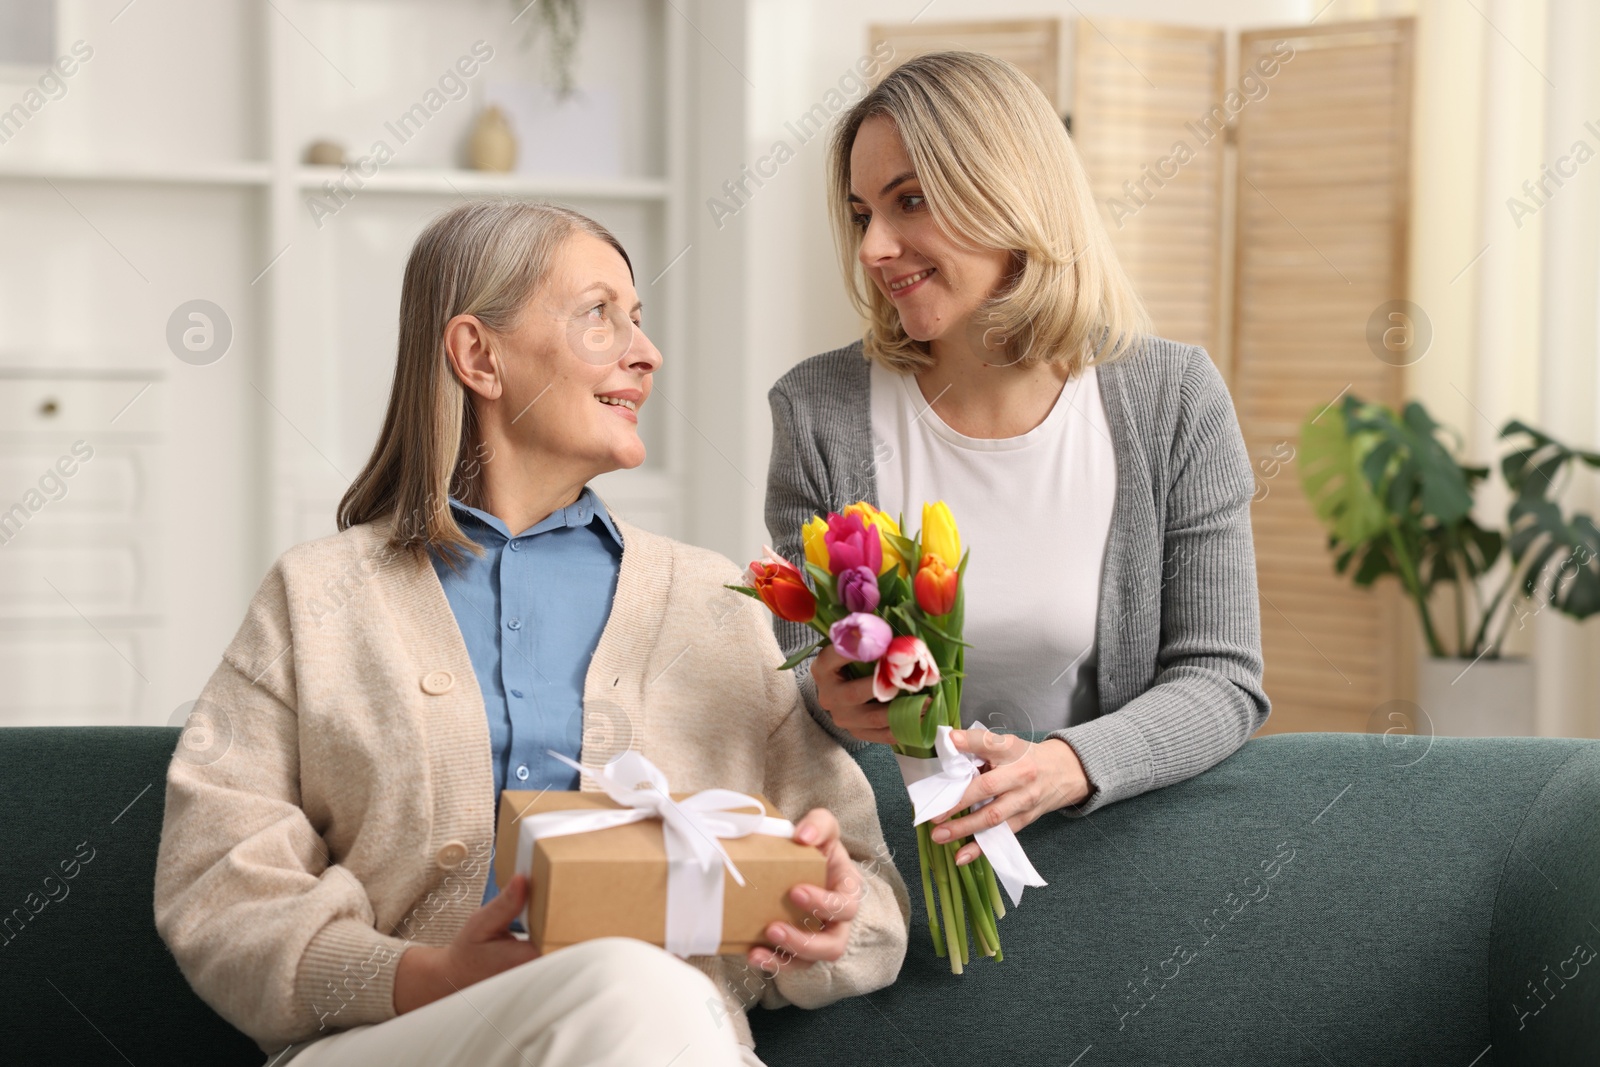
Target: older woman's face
[
  {"x": 933, "y": 282},
  {"x": 579, "y": 365}
]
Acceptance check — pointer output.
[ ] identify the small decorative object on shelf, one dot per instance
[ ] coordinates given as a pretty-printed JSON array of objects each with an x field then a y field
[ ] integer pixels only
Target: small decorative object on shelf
[
  {"x": 493, "y": 146},
  {"x": 325, "y": 154},
  {"x": 563, "y": 21}
]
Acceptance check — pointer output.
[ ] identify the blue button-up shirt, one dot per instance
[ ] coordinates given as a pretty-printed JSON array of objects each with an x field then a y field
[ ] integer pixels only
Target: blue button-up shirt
[{"x": 531, "y": 610}]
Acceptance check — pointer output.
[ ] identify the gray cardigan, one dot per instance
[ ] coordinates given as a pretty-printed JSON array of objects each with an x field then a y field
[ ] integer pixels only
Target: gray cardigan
[{"x": 1178, "y": 631}]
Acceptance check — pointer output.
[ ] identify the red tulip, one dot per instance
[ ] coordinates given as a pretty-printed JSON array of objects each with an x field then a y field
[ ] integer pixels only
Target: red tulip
[
  {"x": 935, "y": 586},
  {"x": 782, "y": 589}
]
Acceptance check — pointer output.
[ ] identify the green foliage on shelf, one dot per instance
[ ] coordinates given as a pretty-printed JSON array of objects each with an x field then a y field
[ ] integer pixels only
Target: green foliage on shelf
[{"x": 561, "y": 22}]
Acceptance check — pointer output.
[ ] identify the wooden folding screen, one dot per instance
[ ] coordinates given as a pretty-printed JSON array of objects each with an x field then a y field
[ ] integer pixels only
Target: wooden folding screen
[
  {"x": 1144, "y": 121},
  {"x": 1322, "y": 214},
  {"x": 1034, "y": 45}
]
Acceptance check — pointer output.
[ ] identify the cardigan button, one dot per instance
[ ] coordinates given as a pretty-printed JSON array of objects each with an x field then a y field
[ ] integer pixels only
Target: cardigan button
[
  {"x": 437, "y": 683},
  {"x": 451, "y": 854}
]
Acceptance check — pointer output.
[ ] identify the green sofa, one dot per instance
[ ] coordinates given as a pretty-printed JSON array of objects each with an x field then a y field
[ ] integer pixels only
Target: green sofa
[{"x": 1319, "y": 899}]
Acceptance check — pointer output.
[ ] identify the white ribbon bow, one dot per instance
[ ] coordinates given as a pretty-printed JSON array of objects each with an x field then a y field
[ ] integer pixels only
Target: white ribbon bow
[
  {"x": 936, "y": 785},
  {"x": 690, "y": 829}
]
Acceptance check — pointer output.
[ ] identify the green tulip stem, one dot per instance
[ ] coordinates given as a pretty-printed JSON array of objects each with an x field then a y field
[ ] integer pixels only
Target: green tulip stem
[
  {"x": 992, "y": 887},
  {"x": 983, "y": 875},
  {"x": 941, "y": 876},
  {"x": 982, "y": 921},
  {"x": 924, "y": 843},
  {"x": 958, "y": 910}
]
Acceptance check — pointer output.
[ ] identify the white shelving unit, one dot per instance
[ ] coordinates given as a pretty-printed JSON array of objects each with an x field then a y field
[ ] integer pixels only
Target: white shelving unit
[{"x": 163, "y": 176}]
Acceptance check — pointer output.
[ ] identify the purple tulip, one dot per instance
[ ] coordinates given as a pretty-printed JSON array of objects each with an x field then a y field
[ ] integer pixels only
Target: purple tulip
[
  {"x": 858, "y": 589},
  {"x": 861, "y": 637}
]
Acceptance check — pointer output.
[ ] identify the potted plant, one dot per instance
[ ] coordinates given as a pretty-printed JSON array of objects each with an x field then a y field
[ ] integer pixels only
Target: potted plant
[{"x": 1396, "y": 502}]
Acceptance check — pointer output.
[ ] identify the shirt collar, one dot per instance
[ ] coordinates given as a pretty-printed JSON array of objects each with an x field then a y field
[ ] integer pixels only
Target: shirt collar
[{"x": 581, "y": 512}]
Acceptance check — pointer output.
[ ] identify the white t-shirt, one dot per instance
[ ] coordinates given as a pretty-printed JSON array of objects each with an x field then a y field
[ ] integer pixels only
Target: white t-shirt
[{"x": 1035, "y": 511}]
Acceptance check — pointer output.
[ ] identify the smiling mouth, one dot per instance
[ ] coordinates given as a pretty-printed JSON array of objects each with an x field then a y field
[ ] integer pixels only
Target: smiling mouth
[
  {"x": 618, "y": 401},
  {"x": 910, "y": 280}
]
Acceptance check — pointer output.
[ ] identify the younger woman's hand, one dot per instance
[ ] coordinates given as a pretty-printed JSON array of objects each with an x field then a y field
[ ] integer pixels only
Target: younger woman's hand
[
  {"x": 825, "y": 931},
  {"x": 850, "y": 700},
  {"x": 484, "y": 947},
  {"x": 1025, "y": 779}
]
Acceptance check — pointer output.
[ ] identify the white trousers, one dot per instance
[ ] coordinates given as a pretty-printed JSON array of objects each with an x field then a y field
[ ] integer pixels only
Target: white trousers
[{"x": 613, "y": 1002}]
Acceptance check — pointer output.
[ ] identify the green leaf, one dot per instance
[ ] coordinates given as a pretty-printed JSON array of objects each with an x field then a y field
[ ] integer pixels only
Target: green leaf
[
  {"x": 823, "y": 583},
  {"x": 1330, "y": 472},
  {"x": 1375, "y": 563},
  {"x": 931, "y": 624},
  {"x": 746, "y": 590},
  {"x": 1542, "y": 537},
  {"x": 908, "y": 724},
  {"x": 800, "y": 657},
  {"x": 907, "y": 549}
]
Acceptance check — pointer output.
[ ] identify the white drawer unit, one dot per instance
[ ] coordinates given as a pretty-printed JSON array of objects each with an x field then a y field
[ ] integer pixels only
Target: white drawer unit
[{"x": 80, "y": 559}]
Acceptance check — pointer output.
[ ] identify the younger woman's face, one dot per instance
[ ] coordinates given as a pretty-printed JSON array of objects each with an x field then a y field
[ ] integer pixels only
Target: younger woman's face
[
  {"x": 578, "y": 365},
  {"x": 934, "y": 283}
]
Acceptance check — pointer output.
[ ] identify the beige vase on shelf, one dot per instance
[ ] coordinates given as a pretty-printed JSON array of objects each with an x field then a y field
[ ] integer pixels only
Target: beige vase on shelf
[{"x": 492, "y": 146}]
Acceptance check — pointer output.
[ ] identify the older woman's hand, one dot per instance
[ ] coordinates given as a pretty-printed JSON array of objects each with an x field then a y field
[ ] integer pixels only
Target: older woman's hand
[
  {"x": 1025, "y": 779},
  {"x": 483, "y": 948},
  {"x": 850, "y": 700},
  {"x": 827, "y": 926}
]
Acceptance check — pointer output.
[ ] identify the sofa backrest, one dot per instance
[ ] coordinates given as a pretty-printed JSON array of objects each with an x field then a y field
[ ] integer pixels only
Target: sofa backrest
[
  {"x": 1315, "y": 899},
  {"x": 1318, "y": 898},
  {"x": 84, "y": 976}
]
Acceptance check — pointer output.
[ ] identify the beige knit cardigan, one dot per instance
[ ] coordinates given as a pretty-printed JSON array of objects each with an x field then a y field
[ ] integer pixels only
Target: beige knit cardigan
[{"x": 350, "y": 811}]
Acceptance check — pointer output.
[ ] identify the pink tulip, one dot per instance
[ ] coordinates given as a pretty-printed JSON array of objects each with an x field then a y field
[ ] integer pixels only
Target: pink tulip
[
  {"x": 852, "y": 543},
  {"x": 906, "y": 666},
  {"x": 860, "y": 637}
]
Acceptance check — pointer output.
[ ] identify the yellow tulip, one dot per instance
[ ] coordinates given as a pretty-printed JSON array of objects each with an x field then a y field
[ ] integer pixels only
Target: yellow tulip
[
  {"x": 811, "y": 535},
  {"x": 939, "y": 534},
  {"x": 885, "y": 526}
]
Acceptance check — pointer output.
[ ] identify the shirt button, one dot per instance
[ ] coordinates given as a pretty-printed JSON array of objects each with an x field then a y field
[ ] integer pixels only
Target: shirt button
[
  {"x": 522, "y": 773},
  {"x": 516, "y": 546},
  {"x": 515, "y": 624},
  {"x": 437, "y": 683},
  {"x": 451, "y": 854},
  {"x": 516, "y": 693}
]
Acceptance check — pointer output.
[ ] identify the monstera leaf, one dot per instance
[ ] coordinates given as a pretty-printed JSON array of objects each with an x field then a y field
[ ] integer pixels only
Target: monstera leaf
[
  {"x": 1408, "y": 464},
  {"x": 1543, "y": 538},
  {"x": 1331, "y": 458}
]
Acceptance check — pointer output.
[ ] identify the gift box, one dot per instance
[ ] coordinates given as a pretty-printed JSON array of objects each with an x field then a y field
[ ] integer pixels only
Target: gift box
[{"x": 613, "y": 882}]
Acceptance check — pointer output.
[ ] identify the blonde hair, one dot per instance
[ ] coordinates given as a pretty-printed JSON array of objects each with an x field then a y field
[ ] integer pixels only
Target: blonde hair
[
  {"x": 999, "y": 172},
  {"x": 484, "y": 258}
]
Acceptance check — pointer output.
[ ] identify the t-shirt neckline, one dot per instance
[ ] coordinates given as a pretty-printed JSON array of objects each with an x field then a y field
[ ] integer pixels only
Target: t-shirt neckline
[{"x": 912, "y": 394}]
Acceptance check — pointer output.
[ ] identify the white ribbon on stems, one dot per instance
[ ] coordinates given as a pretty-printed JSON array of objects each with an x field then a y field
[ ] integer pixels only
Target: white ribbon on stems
[
  {"x": 690, "y": 829},
  {"x": 936, "y": 785}
]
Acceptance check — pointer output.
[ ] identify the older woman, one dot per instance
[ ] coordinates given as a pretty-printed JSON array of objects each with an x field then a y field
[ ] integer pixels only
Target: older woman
[
  {"x": 324, "y": 884},
  {"x": 1097, "y": 472}
]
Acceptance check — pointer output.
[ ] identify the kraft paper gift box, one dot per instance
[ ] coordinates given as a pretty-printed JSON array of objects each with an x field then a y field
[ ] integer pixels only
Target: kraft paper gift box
[{"x": 613, "y": 882}]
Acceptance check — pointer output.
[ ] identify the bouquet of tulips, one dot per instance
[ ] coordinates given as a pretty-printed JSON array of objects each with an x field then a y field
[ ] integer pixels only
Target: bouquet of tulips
[{"x": 892, "y": 606}]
